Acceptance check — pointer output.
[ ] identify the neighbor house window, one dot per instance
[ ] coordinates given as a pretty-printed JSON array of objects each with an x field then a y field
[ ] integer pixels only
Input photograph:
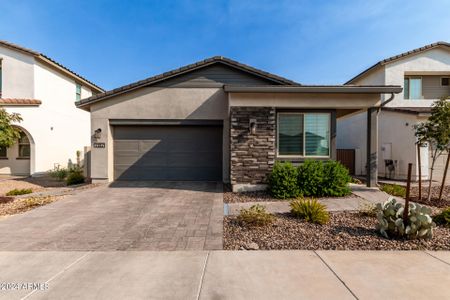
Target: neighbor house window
[
  {"x": 304, "y": 134},
  {"x": 3, "y": 153},
  {"x": 78, "y": 92},
  {"x": 413, "y": 88},
  {"x": 24, "y": 146},
  {"x": 445, "y": 81}
]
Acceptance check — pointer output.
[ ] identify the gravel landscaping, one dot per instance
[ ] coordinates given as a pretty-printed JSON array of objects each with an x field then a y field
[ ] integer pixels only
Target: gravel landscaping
[
  {"x": 37, "y": 184},
  {"x": 257, "y": 196},
  {"x": 345, "y": 231},
  {"x": 444, "y": 202},
  {"x": 11, "y": 206}
]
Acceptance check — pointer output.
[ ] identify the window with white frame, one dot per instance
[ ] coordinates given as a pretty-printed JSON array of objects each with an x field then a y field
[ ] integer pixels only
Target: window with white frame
[
  {"x": 303, "y": 134},
  {"x": 78, "y": 92},
  {"x": 412, "y": 88}
]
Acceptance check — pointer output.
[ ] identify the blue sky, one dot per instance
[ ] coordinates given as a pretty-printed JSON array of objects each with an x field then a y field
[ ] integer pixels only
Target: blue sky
[{"x": 113, "y": 43}]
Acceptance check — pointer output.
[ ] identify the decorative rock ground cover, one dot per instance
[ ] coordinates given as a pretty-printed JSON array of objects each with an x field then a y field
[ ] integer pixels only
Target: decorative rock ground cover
[
  {"x": 345, "y": 231},
  {"x": 258, "y": 196},
  {"x": 444, "y": 202}
]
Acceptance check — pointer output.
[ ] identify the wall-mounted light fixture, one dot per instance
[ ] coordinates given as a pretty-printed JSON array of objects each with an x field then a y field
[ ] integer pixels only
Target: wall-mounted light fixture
[
  {"x": 97, "y": 133},
  {"x": 252, "y": 126}
]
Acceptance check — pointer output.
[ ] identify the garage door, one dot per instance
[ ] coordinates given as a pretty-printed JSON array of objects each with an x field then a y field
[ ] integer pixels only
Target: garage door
[{"x": 168, "y": 152}]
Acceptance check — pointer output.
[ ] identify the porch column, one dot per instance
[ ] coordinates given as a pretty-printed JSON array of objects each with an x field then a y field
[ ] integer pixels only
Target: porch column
[{"x": 372, "y": 147}]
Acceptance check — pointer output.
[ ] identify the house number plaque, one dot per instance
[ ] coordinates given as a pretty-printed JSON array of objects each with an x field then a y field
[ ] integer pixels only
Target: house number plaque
[{"x": 99, "y": 145}]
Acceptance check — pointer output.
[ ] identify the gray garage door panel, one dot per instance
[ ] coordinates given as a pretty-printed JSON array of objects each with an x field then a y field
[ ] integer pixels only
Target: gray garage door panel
[{"x": 158, "y": 152}]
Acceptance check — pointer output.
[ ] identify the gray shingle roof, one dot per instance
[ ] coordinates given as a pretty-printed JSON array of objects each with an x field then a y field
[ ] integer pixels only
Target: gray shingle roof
[
  {"x": 399, "y": 56},
  {"x": 200, "y": 64},
  {"x": 49, "y": 61}
]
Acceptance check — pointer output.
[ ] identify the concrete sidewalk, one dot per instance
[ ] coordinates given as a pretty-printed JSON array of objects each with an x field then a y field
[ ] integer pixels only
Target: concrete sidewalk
[{"x": 228, "y": 275}]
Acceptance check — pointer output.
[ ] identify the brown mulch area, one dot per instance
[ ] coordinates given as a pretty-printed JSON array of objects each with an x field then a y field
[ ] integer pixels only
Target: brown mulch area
[
  {"x": 257, "y": 196},
  {"x": 21, "y": 205},
  {"x": 345, "y": 231},
  {"x": 444, "y": 202}
]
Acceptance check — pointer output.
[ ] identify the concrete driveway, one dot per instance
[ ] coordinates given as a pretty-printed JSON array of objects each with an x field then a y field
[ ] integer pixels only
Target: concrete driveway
[{"x": 123, "y": 216}]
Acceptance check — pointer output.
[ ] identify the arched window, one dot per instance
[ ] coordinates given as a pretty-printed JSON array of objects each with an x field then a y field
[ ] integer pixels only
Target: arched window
[{"x": 24, "y": 146}]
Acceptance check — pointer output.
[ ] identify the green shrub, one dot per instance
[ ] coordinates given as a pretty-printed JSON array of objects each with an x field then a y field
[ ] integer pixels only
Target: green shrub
[
  {"x": 394, "y": 190},
  {"x": 283, "y": 181},
  {"x": 310, "y": 178},
  {"x": 443, "y": 218},
  {"x": 323, "y": 179},
  {"x": 17, "y": 192},
  {"x": 390, "y": 220},
  {"x": 256, "y": 215},
  {"x": 75, "y": 177},
  {"x": 310, "y": 210},
  {"x": 59, "y": 173},
  {"x": 335, "y": 179}
]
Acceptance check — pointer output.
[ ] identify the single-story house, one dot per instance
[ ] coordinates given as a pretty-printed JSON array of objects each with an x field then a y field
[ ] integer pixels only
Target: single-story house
[{"x": 220, "y": 120}]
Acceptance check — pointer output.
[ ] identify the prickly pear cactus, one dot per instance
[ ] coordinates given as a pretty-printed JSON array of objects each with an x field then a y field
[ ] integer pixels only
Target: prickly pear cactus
[{"x": 390, "y": 220}]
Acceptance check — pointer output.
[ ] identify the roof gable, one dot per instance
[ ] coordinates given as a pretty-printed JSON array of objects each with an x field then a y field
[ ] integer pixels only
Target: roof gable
[
  {"x": 48, "y": 61},
  {"x": 442, "y": 45},
  {"x": 212, "y": 72}
]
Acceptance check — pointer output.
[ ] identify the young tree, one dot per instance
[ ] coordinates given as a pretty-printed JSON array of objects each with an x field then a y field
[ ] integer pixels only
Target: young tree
[
  {"x": 9, "y": 134},
  {"x": 436, "y": 133}
]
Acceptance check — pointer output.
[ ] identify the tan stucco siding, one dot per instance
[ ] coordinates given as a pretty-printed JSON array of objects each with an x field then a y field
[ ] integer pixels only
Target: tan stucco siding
[
  {"x": 306, "y": 101},
  {"x": 155, "y": 104}
]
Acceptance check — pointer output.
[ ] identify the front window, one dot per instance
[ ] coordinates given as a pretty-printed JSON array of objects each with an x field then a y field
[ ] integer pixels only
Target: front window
[
  {"x": 24, "y": 146},
  {"x": 304, "y": 134},
  {"x": 413, "y": 88},
  {"x": 78, "y": 92}
]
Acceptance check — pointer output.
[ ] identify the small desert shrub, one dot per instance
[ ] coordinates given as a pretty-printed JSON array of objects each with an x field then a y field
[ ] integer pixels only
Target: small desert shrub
[
  {"x": 256, "y": 215},
  {"x": 17, "y": 192},
  {"x": 283, "y": 181},
  {"x": 390, "y": 220},
  {"x": 36, "y": 201},
  {"x": 310, "y": 210},
  {"x": 394, "y": 190},
  {"x": 75, "y": 177},
  {"x": 443, "y": 218},
  {"x": 59, "y": 173},
  {"x": 368, "y": 210}
]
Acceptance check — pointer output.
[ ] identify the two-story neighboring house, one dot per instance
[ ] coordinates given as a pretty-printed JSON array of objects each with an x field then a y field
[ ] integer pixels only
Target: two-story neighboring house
[
  {"x": 424, "y": 74},
  {"x": 43, "y": 92}
]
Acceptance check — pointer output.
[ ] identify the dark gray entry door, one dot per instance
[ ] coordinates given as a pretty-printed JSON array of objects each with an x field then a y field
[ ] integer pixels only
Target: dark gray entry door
[{"x": 168, "y": 152}]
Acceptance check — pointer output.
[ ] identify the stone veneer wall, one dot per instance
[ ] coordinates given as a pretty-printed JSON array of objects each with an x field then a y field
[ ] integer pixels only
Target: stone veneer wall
[{"x": 252, "y": 155}]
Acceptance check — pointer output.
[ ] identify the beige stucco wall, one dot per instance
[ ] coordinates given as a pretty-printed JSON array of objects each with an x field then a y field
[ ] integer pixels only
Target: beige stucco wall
[
  {"x": 435, "y": 61},
  {"x": 18, "y": 74},
  {"x": 156, "y": 103}
]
